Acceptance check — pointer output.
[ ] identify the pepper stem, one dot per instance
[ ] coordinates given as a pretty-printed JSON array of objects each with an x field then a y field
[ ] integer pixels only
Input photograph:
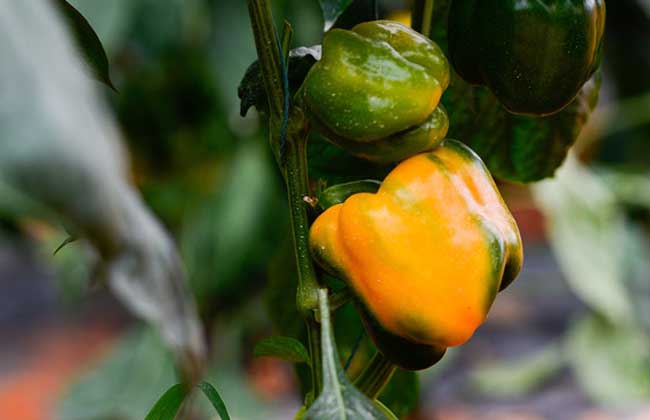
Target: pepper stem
[
  {"x": 375, "y": 376},
  {"x": 293, "y": 166},
  {"x": 421, "y": 15}
]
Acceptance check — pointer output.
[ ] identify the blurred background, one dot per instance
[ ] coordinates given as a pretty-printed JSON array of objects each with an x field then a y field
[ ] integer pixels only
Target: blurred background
[{"x": 569, "y": 340}]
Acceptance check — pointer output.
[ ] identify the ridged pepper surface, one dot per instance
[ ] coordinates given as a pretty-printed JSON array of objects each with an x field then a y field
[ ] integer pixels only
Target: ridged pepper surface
[
  {"x": 376, "y": 91},
  {"x": 426, "y": 255},
  {"x": 534, "y": 55}
]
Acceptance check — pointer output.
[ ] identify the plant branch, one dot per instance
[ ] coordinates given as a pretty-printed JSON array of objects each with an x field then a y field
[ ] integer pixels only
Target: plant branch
[
  {"x": 375, "y": 376},
  {"x": 288, "y": 130},
  {"x": 268, "y": 53},
  {"x": 421, "y": 15}
]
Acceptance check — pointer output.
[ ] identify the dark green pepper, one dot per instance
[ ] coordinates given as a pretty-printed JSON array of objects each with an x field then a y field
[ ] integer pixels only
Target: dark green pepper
[
  {"x": 535, "y": 56},
  {"x": 376, "y": 89}
]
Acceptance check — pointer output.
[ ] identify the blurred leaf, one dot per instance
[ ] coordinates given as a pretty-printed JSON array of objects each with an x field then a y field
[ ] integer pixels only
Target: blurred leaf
[
  {"x": 229, "y": 375},
  {"x": 637, "y": 263},
  {"x": 168, "y": 404},
  {"x": 515, "y": 148},
  {"x": 72, "y": 268},
  {"x": 632, "y": 189},
  {"x": 587, "y": 232},
  {"x": 91, "y": 46},
  {"x": 285, "y": 348},
  {"x": 402, "y": 393},
  {"x": 285, "y": 318},
  {"x": 515, "y": 378},
  {"x": 251, "y": 88},
  {"x": 68, "y": 240},
  {"x": 233, "y": 234},
  {"x": 332, "y": 9},
  {"x": 215, "y": 399},
  {"x": 63, "y": 150},
  {"x": 339, "y": 399},
  {"x": 134, "y": 373},
  {"x": 612, "y": 363}
]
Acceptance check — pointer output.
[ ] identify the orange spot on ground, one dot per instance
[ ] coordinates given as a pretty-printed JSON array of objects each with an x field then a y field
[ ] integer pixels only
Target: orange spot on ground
[{"x": 55, "y": 358}]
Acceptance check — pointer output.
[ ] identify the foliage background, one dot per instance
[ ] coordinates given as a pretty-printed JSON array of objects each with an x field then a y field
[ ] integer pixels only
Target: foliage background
[{"x": 570, "y": 338}]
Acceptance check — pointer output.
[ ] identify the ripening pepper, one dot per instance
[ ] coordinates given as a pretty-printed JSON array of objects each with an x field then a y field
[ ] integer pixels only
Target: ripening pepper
[
  {"x": 375, "y": 91},
  {"x": 426, "y": 255},
  {"x": 533, "y": 55}
]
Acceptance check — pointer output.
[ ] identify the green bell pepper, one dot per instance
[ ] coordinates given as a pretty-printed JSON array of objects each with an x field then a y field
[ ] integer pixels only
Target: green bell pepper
[
  {"x": 375, "y": 92},
  {"x": 535, "y": 56}
]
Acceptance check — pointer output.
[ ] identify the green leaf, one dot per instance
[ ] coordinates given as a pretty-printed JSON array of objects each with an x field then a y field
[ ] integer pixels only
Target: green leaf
[
  {"x": 215, "y": 399},
  {"x": 332, "y": 9},
  {"x": 339, "y": 399},
  {"x": 285, "y": 348},
  {"x": 53, "y": 157},
  {"x": 88, "y": 41},
  {"x": 521, "y": 376},
  {"x": 587, "y": 233},
  {"x": 227, "y": 240},
  {"x": 168, "y": 405},
  {"x": 611, "y": 363},
  {"x": 516, "y": 148},
  {"x": 337, "y": 194},
  {"x": 251, "y": 88}
]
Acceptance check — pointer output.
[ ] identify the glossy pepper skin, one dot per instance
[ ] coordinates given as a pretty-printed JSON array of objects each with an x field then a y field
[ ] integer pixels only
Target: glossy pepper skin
[
  {"x": 534, "y": 55},
  {"x": 375, "y": 92},
  {"x": 425, "y": 255}
]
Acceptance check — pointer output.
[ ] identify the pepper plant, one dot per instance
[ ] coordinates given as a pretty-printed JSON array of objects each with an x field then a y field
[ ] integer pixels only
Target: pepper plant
[
  {"x": 423, "y": 253},
  {"x": 423, "y": 248}
]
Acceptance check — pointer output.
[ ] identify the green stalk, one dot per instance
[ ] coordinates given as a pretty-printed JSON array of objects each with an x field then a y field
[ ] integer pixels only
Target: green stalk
[
  {"x": 295, "y": 173},
  {"x": 375, "y": 376},
  {"x": 421, "y": 15},
  {"x": 293, "y": 165},
  {"x": 268, "y": 53}
]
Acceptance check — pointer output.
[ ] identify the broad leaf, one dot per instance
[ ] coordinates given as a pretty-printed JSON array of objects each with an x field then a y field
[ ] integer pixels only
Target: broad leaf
[
  {"x": 285, "y": 348},
  {"x": 514, "y": 147},
  {"x": 62, "y": 150},
  {"x": 332, "y": 9},
  {"x": 168, "y": 404},
  {"x": 587, "y": 231},
  {"x": 88, "y": 41},
  {"x": 612, "y": 363},
  {"x": 339, "y": 399},
  {"x": 586, "y": 228},
  {"x": 251, "y": 88},
  {"x": 215, "y": 399}
]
